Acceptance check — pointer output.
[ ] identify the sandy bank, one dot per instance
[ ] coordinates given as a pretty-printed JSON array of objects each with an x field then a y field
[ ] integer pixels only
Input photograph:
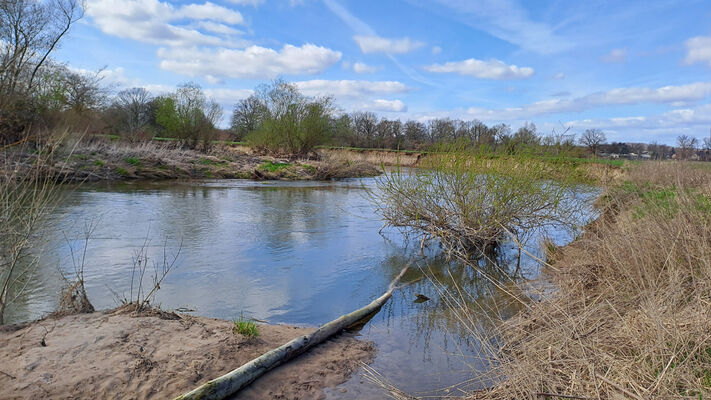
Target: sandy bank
[{"x": 114, "y": 354}]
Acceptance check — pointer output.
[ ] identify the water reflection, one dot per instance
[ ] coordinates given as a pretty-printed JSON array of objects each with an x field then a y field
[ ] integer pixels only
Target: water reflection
[{"x": 285, "y": 252}]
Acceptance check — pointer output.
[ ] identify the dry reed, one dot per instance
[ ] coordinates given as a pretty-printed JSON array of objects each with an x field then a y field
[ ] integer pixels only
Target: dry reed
[{"x": 631, "y": 317}]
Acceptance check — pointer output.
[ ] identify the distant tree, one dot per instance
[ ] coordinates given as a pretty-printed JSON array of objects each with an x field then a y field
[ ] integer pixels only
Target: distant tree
[
  {"x": 188, "y": 115},
  {"x": 134, "y": 110},
  {"x": 527, "y": 135},
  {"x": 248, "y": 114},
  {"x": 686, "y": 145},
  {"x": 707, "y": 142},
  {"x": 84, "y": 91},
  {"x": 415, "y": 132},
  {"x": 292, "y": 123},
  {"x": 365, "y": 127},
  {"x": 442, "y": 130},
  {"x": 343, "y": 129},
  {"x": 592, "y": 139}
]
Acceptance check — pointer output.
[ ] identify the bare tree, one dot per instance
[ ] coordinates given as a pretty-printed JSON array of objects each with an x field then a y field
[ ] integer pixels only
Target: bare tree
[
  {"x": 134, "y": 109},
  {"x": 365, "y": 126},
  {"x": 30, "y": 30},
  {"x": 686, "y": 145},
  {"x": 592, "y": 139},
  {"x": 247, "y": 116},
  {"x": 415, "y": 132},
  {"x": 84, "y": 91}
]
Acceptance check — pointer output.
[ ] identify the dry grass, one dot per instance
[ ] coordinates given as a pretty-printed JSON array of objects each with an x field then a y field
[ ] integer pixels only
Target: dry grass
[{"x": 631, "y": 318}]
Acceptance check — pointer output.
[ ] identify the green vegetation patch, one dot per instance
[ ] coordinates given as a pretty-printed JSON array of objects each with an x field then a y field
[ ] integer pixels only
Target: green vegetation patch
[
  {"x": 99, "y": 163},
  {"x": 245, "y": 327},
  {"x": 309, "y": 168},
  {"x": 133, "y": 161},
  {"x": 273, "y": 166},
  {"x": 209, "y": 161},
  {"x": 122, "y": 171}
]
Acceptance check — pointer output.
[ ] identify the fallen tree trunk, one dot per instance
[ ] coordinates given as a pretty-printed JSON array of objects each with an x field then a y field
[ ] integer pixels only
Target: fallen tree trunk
[{"x": 232, "y": 382}]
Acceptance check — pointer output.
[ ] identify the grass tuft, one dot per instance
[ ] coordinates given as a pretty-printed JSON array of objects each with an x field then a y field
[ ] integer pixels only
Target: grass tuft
[
  {"x": 273, "y": 166},
  {"x": 245, "y": 327}
]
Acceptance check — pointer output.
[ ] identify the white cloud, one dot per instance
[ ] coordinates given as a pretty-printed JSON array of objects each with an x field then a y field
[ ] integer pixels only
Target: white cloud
[
  {"x": 615, "y": 56},
  {"x": 253, "y": 62},
  {"x": 154, "y": 21},
  {"x": 667, "y": 94},
  {"x": 377, "y": 44},
  {"x": 350, "y": 89},
  {"x": 698, "y": 49},
  {"x": 209, "y": 11},
  {"x": 381, "y": 105},
  {"x": 436, "y": 50},
  {"x": 559, "y": 76},
  {"x": 361, "y": 68},
  {"x": 491, "y": 69}
]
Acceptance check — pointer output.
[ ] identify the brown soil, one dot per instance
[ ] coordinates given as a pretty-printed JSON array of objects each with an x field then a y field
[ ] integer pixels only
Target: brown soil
[{"x": 115, "y": 354}]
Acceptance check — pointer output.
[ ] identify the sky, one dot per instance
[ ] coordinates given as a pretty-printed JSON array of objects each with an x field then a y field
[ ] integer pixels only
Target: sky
[{"x": 638, "y": 70}]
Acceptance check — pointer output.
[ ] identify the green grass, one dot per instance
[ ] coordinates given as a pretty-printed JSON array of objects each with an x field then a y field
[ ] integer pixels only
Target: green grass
[
  {"x": 122, "y": 171},
  {"x": 273, "y": 167},
  {"x": 208, "y": 161},
  {"x": 245, "y": 327},
  {"x": 99, "y": 163},
  {"x": 133, "y": 161},
  {"x": 309, "y": 168}
]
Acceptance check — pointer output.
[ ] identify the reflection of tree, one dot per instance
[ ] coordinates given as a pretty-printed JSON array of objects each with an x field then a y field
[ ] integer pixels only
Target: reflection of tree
[
  {"x": 290, "y": 215},
  {"x": 476, "y": 287}
]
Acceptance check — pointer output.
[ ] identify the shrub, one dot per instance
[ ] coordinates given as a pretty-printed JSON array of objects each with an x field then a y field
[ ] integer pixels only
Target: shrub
[{"x": 470, "y": 202}]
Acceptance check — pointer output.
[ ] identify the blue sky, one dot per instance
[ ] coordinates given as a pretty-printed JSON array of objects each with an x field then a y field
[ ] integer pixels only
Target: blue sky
[{"x": 638, "y": 70}]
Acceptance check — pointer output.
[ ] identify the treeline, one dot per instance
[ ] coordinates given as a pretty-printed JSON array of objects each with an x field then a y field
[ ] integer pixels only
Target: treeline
[
  {"x": 277, "y": 117},
  {"x": 39, "y": 96}
]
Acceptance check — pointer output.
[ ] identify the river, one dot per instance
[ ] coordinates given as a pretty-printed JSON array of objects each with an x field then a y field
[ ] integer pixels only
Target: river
[{"x": 298, "y": 253}]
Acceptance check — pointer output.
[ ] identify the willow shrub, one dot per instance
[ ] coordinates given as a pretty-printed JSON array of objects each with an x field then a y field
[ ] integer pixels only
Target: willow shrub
[{"x": 471, "y": 201}]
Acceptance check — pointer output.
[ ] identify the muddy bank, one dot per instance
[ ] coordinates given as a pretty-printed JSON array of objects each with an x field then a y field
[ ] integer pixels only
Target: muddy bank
[
  {"x": 114, "y": 354},
  {"x": 105, "y": 160}
]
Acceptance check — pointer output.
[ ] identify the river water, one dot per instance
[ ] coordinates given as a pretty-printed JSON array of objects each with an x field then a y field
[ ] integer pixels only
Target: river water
[{"x": 298, "y": 253}]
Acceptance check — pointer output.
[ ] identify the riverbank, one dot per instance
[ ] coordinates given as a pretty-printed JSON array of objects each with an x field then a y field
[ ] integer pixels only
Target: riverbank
[
  {"x": 116, "y": 354},
  {"x": 630, "y": 315},
  {"x": 100, "y": 159}
]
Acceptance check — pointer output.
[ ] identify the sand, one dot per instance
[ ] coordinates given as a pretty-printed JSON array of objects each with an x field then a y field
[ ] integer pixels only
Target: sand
[{"x": 115, "y": 354}]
